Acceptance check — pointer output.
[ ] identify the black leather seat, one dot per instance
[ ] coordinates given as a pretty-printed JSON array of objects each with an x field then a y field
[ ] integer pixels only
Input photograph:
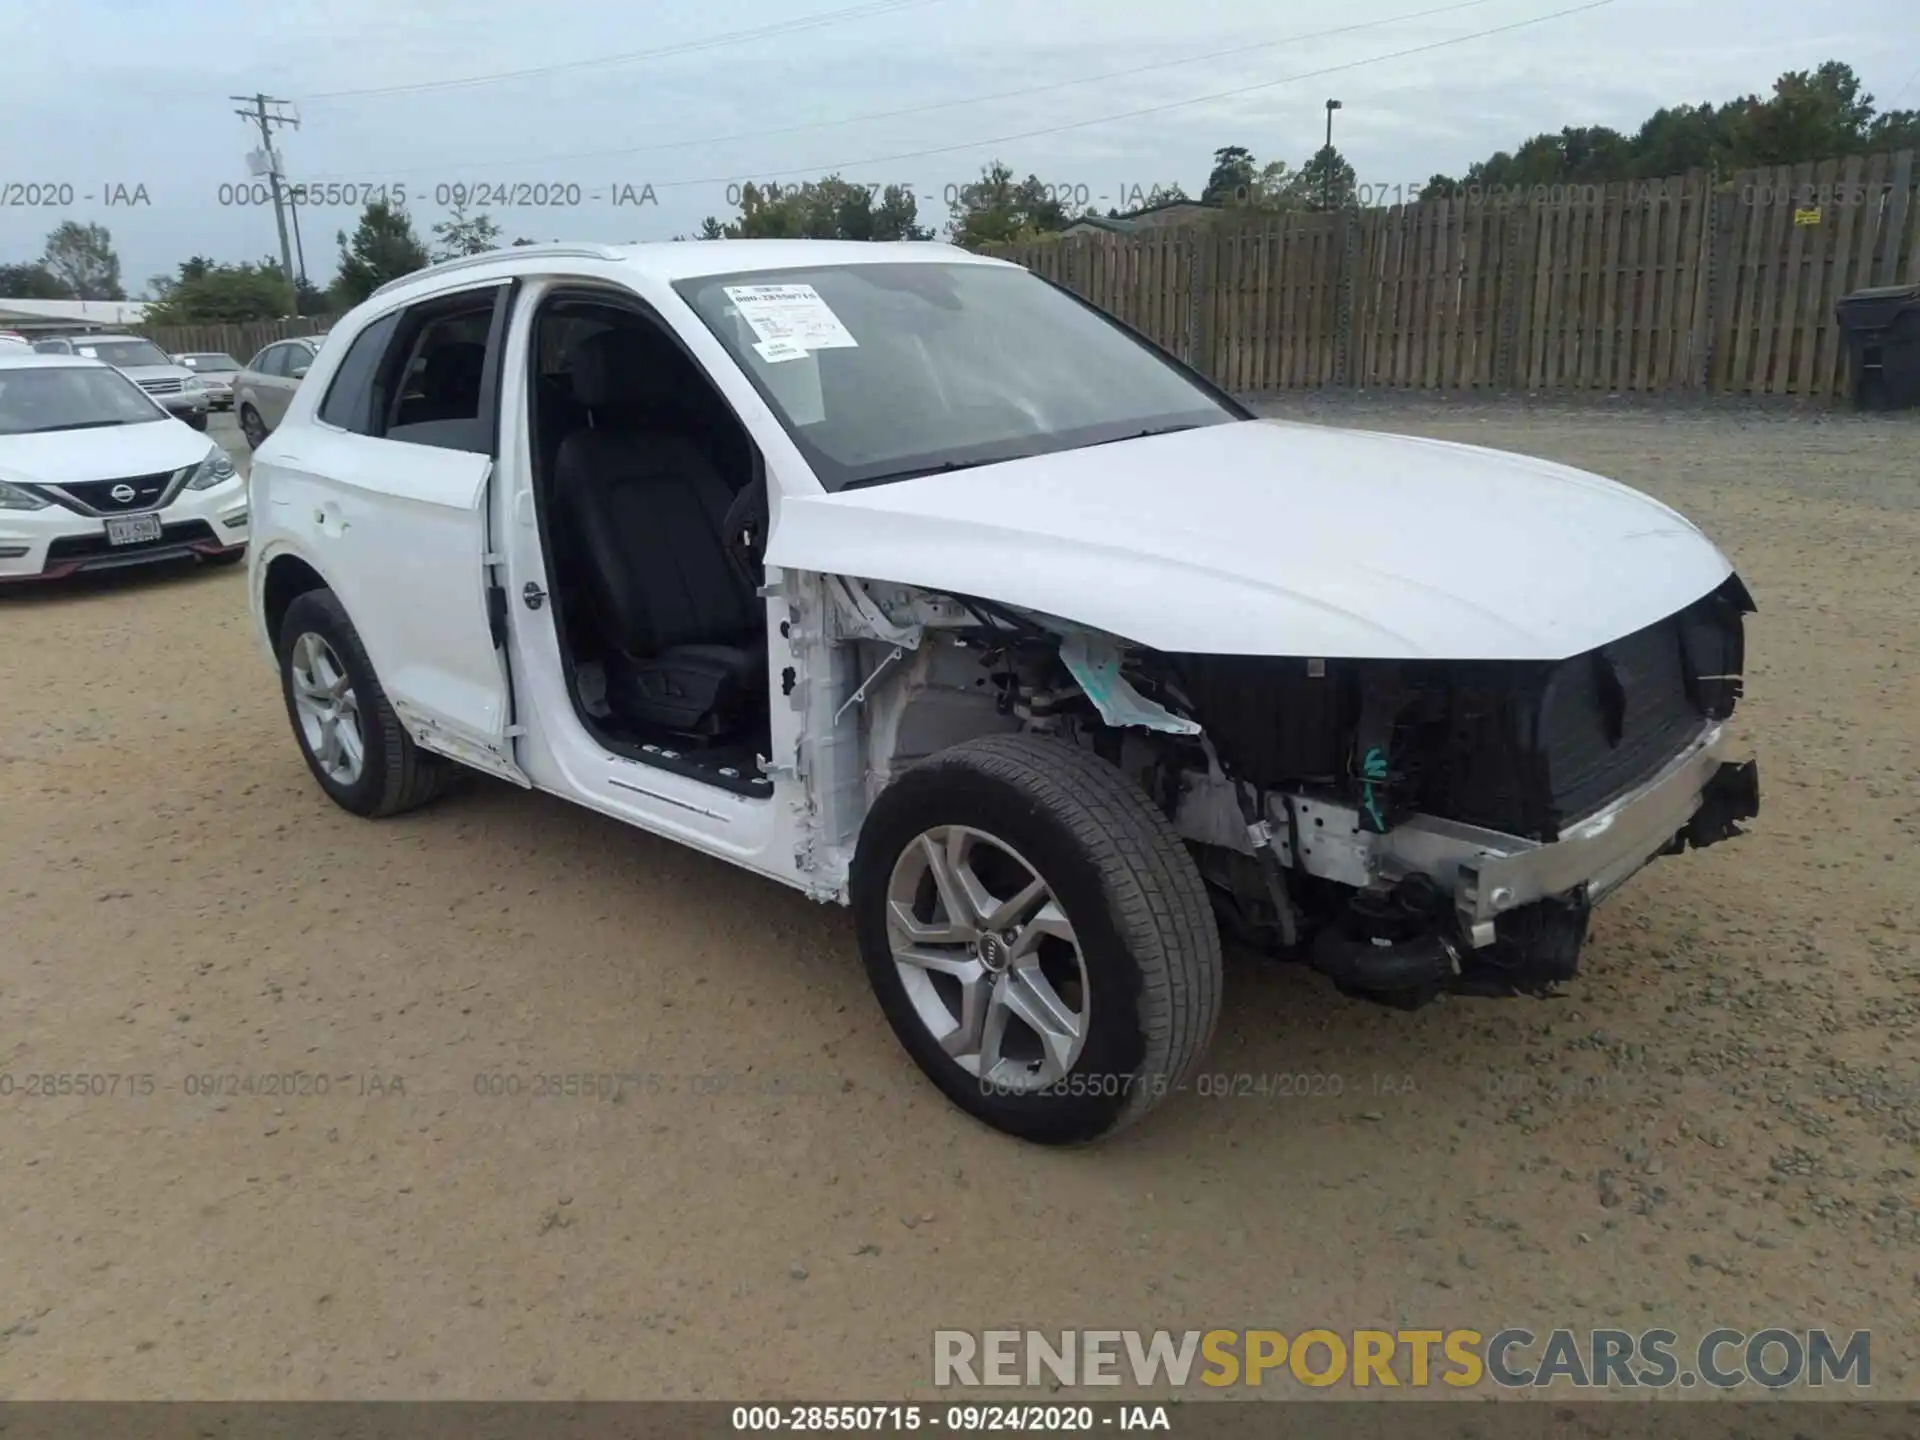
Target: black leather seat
[{"x": 644, "y": 510}]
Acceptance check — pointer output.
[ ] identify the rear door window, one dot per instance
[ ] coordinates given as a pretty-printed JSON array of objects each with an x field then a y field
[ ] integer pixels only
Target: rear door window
[
  {"x": 351, "y": 402},
  {"x": 431, "y": 373}
]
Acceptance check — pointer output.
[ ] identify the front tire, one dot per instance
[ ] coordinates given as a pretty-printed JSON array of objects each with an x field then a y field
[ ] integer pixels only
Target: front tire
[
  {"x": 352, "y": 741},
  {"x": 197, "y": 421},
  {"x": 252, "y": 427},
  {"x": 1038, "y": 937}
]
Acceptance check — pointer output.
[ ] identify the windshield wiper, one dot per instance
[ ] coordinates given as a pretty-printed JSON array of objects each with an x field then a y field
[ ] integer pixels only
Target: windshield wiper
[
  {"x": 948, "y": 466},
  {"x": 1146, "y": 434},
  {"x": 81, "y": 425},
  {"x": 943, "y": 468}
]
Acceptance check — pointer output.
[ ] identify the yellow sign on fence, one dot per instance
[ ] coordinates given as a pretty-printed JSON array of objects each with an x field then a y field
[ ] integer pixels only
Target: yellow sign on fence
[{"x": 1807, "y": 217}]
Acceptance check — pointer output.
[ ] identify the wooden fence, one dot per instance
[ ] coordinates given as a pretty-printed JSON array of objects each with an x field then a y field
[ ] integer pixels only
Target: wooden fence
[
  {"x": 1696, "y": 282},
  {"x": 242, "y": 341}
]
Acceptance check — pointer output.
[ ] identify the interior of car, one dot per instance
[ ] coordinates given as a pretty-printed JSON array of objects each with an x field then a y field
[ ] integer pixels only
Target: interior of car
[{"x": 652, "y": 502}]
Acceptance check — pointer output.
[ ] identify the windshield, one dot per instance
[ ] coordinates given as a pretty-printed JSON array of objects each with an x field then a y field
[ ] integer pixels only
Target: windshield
[
  {"x": 884, "y": 372},
  {"x": 123, "y": 352},
  {"x": 70, "y": 397},
  {"x": 210, "y": 363}
]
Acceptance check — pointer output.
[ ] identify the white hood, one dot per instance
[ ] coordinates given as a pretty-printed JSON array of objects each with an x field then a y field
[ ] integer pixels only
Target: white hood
[
  {"x": 64, "y": 457},
  {"x": 1275, "y": 538}
]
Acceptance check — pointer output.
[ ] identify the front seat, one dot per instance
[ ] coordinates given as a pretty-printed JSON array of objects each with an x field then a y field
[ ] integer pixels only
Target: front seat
[{"x": 645, "y": 512}]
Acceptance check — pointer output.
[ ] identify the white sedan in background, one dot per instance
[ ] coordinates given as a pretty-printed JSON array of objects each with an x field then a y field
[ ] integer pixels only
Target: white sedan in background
[{"x": 96, "y": 475}]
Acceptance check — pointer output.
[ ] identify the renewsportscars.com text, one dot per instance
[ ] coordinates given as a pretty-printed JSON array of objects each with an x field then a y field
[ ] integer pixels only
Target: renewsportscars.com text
[{"x": 1511, "y": 1358}]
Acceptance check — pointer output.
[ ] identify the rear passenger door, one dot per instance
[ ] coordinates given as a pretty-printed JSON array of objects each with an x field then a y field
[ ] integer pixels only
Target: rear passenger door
[
  {"x": 401, "y": 452},
  {"x": 276, "y": 386}
]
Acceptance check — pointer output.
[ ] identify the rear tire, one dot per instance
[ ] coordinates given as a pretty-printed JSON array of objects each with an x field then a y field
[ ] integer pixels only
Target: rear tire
[
  {"x": 1107, "y": 984},
  {"x": 352, "y": 741}
]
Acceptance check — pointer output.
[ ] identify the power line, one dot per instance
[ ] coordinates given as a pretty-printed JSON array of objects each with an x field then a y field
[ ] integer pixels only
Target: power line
[
  {"x": 838, "y": 165},
  {"x": 1901, "y": 93},
  {"x": 866, "y": 11},
  {"x": 1230, "y": 52}
]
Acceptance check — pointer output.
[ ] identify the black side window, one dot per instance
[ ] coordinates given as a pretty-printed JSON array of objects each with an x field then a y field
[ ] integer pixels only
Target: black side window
[
  {"x": 350, "y": 401},
  {"x": 258, "y": 364},
  {"x": 273, "y": 360},
  {"x": 442, "y": 392}
]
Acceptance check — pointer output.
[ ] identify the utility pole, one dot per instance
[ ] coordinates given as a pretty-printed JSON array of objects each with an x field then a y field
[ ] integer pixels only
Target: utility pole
[
  {"x": 1326, "y": 202},
  {"x": 258, "y": 114},
  {"x": 299, "y": 250}
]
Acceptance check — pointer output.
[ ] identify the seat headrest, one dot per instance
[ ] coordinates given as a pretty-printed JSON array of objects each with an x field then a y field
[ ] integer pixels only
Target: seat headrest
[
  {"x": 626, "y": 369},
  {"x": 451, "y": 370}
]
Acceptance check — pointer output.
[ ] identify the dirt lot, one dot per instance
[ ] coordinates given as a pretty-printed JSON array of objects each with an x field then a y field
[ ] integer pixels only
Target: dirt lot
[{"x": 1720, "y": 1123}]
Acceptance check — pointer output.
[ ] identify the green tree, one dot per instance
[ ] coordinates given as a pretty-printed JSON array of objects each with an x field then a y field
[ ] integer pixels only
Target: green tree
[
  {"x": 1275, "y": 187},
  {"x": 310, "y": 299},
  {"x": 1326, "y": 182},
  {"x": 828, "y": 209},
  {"x": 204, "y": 293},
  {"x": 1676, "y": 139},
  {"x": 464, "y": 234},
  {"x": 383, "y": 248},
  {"x": 994, "y": 209},
  {"x": 1810, "y": 115},
  {"x": 1234, "y": 173},
  {"x": 82, "y": 258},
  {"x": 32, "y": 281}
]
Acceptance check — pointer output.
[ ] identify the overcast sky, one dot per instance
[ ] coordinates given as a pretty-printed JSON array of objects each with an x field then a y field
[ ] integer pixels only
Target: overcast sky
[{"x": 106, "y": 96}]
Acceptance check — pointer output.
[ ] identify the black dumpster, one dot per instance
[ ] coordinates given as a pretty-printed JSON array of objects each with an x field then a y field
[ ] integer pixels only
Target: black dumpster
[{"x": 1882, "y": 331}]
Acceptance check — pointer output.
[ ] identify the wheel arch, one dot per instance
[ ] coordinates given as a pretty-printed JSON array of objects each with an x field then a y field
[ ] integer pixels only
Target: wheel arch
[{"x": 284, "y": 579}]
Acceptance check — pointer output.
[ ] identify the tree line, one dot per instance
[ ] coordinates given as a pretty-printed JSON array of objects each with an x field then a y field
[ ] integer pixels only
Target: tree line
[{"x": 1809, "y": 115}]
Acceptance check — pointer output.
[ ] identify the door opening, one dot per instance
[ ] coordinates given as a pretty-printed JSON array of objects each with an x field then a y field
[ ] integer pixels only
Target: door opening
[{"x": 651, "y": 499}]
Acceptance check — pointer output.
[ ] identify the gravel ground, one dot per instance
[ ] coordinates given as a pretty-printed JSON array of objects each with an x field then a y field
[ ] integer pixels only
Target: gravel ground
[{"x": 1718, "y": 1125}]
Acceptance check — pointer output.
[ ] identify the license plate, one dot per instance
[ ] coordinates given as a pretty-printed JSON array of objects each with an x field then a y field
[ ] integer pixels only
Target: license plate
[{"x": 132, "y": 529}]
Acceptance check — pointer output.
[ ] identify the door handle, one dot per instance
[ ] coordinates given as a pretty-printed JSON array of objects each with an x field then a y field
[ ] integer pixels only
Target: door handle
[{"x": 534, "y": 596}]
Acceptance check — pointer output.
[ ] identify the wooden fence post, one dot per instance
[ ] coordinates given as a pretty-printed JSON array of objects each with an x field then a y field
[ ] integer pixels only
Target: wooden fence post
[
  {"x": 1343, "y": 299},
  {"x": 1510, "y": 286},
  {"x": 1709, "y": 280},
  {"x": 1200, "y": 318}
]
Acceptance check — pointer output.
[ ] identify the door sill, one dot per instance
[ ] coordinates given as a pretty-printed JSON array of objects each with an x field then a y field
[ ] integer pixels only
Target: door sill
[{"x": 706, "y": 766}]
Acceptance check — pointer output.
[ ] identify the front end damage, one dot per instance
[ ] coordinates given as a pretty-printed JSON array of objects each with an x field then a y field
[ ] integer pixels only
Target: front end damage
[
  {"x": 1472, "y": 812},
  {"x": 1409, "y": 828}
]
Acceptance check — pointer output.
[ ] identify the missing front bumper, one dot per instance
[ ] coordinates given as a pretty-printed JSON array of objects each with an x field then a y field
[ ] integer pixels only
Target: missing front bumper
[{"x": 1697, "y": 799}]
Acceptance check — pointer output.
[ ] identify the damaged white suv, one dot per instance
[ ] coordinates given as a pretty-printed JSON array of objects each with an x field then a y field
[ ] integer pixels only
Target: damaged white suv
[{"x": 901, "y": 576}]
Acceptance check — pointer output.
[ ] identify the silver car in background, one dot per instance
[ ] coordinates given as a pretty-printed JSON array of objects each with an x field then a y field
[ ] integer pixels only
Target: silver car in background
[
  {"x": 216, "y": 370},
  {"x": 264, "y": 387},
  {"x": 177, "y": 389}
]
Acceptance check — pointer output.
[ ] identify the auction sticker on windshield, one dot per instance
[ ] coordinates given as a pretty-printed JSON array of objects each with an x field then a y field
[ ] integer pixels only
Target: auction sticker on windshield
[
  {"x": 790, "y": 315},
  {"x": 774, "y": 351}
]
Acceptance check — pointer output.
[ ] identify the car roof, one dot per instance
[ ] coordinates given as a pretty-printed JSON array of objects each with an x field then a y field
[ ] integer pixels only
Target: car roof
[
  {"x": 34, "y": 360},
  {"x": 672, "y": 260}
]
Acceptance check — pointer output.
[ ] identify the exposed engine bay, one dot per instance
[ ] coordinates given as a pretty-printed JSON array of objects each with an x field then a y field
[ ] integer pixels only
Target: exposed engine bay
[{"x": 1409, "y": 828}]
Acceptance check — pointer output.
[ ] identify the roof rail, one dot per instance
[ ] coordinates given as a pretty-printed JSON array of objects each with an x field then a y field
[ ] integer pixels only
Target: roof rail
[{"x": 559, "y": 250}]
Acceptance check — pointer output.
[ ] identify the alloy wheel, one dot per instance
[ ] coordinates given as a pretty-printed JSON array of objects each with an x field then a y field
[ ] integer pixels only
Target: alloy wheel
[
  {"x": 328, "y": 709},
  {"x": 988, "y": 958}
]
